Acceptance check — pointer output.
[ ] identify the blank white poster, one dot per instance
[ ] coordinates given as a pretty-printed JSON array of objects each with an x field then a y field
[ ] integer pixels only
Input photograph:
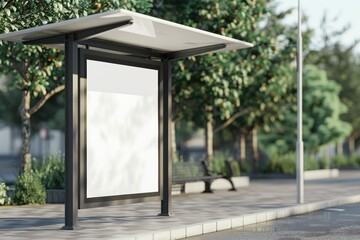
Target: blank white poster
[{"x": 122, "y": 130}]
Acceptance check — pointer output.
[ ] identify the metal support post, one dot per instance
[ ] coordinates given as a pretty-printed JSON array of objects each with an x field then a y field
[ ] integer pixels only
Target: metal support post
[
  {"x": 166, "y": 209},
  {"x": 71, "y": 133}
]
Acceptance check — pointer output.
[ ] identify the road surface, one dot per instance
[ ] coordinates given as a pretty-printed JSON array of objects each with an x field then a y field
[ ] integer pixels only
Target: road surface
[{"x": 342, "y": 222}]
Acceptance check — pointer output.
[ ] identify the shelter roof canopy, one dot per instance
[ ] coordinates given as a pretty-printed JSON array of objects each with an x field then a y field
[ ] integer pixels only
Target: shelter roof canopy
[{"x": 133, "y": 29}]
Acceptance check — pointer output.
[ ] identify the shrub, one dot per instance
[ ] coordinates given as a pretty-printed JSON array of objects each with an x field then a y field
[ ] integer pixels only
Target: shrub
[
  {"x": 312, "y": 164},
  {"x": 324, "y": 163},
  {"x": 286, "y": 163},
  {"x": 51, "y": 171},
  {"x": 4, "y": 200},
  {"x": 338, "y": 161},
  {"x": 344, "y": 161},
  {"x": 282, "y": 163},
  {"x": 28, "y": 189},
  {"x": 235, "y": 167},
  {"x": 246, "y": 167},
  {"x": 355, "y": 158},
  {"x": 218, "y": 165}
]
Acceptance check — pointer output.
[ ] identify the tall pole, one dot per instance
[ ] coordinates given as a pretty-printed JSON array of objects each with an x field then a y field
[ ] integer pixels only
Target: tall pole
[
  {"x": 71, "y": 133},
  {"x": 166, "y": 204},
  {"x": 299, "y": 143}
]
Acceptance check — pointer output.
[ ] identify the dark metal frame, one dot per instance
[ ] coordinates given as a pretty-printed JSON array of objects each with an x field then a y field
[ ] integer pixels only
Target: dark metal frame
[
  {"x": 165, "y": 118},
  {"x": 74, "y": 147},
  {"x": 71, "y": 133},
  {"x": 84, "y": 201}
]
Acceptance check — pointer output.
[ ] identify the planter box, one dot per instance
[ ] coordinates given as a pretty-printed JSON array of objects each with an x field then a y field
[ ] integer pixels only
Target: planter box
[
  {"x": 194, "y": 187},
  {"x": 55, "y": 195},
  {"x": 320, "y": 174},
  {"x": 239, "y": 182},
  {"x": 308, "y": 175},
  {"x": 176, "y": 189},
  {"x": 52, "y": 195}
]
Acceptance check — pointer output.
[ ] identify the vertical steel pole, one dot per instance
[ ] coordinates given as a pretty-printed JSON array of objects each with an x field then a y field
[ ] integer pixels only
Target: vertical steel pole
[
  {"x": 166, "y": 209},
  {"x": 71, "y": 133},
  {"x": 299, "y": 144}
]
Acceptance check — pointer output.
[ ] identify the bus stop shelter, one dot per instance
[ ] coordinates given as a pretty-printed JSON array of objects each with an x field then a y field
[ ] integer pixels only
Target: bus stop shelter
[{"x": 118, "y": 103}]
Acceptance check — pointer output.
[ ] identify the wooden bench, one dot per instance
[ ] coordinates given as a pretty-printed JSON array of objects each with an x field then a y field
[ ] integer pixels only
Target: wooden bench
[{"x": 194, "y": 172}]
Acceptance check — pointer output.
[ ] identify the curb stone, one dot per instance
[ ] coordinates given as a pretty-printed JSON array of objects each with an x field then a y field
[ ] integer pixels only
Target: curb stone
[{"x": 244, "y": 220}]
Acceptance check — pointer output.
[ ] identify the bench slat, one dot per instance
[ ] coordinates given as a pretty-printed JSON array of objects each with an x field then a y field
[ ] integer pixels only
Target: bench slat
[{"x": 194, "y": 172}]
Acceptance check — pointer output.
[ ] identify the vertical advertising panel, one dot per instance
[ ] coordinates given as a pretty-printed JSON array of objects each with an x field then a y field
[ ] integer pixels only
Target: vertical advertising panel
[{"x": 122, "y": 131}]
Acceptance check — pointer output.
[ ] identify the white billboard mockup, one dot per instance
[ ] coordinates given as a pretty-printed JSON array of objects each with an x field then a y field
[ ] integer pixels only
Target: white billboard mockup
[{"x": 122, "y": 137}]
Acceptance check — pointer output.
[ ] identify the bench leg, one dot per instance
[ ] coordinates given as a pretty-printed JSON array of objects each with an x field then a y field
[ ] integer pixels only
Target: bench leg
[
  {"x": 232, "y": 184},
  {"x": 207, "y": 187}
]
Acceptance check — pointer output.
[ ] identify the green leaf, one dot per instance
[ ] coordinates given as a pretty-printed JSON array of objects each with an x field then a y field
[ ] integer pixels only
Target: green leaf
[{"x": 7, "y": 12}]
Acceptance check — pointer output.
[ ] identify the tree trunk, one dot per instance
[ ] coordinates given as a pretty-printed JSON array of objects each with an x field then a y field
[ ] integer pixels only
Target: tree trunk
[
  {"x": 351, "y": 145},
  {"x": 254, "y": 148},
  {"x": 25, "y": 158},
  {"x": 242, "y": 147},
  {"x": 327, "y": 156},
  {"x": 12, "y": 140},
  {"x": 339, "y": 148},
  {"x": 209, "y": 141},
  {"x": 173, "y": 142}
]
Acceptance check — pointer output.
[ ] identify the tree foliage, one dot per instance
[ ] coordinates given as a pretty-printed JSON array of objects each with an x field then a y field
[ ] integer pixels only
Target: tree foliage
[
  {"x": 342, "y": 64},
  {"x": 272, "y": 71},
  {"x": 209, "y": 84},
  {"x": 242, "y": 89},
  {"x": 220, "y": 85},
  {"x": 37, "y": 71},
  {"x": 322, "y": 109}
]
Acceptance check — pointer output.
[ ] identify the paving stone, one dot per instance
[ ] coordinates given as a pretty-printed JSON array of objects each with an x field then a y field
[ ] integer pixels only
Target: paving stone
[
  {"x": 194, "y": 230},
  {"x": 193, "y": 213},
  {"x": 209, "y": 227},
  {"x": 178, "y": 233},
  {"x": 237, "y": 222},
  {"x": 271, "y": 215},
  {"x": 223, "y": 224},
  {"x": 249, "y": 219}
]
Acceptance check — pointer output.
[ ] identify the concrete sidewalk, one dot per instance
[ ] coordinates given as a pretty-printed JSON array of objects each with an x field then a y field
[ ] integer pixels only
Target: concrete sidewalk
[{"x": 194, "y": 214}]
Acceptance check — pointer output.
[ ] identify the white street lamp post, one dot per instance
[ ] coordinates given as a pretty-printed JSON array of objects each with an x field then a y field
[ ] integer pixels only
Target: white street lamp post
[{"x": 299, "y": 144}]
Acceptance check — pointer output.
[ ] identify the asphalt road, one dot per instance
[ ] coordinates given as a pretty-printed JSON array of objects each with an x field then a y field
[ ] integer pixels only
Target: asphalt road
[{"x": 342, "y": 222}]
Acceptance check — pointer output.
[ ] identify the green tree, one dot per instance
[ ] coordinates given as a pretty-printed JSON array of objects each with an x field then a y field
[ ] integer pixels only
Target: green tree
[
  {"x": 37, "y": 71},
  {"x": 342, "y": 64},
  {"x": 33, "y": 70},
  {"x": 322, "y": 109},
  {"x": 206, "y": 88},
  {"x": 272, "y": 88},
  {"x": 244, "y": 88},
  {"x": 52, "y": 113}
]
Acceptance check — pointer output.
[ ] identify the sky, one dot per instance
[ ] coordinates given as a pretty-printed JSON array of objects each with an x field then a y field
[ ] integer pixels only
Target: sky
[{"x": 347, "y": 11}]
